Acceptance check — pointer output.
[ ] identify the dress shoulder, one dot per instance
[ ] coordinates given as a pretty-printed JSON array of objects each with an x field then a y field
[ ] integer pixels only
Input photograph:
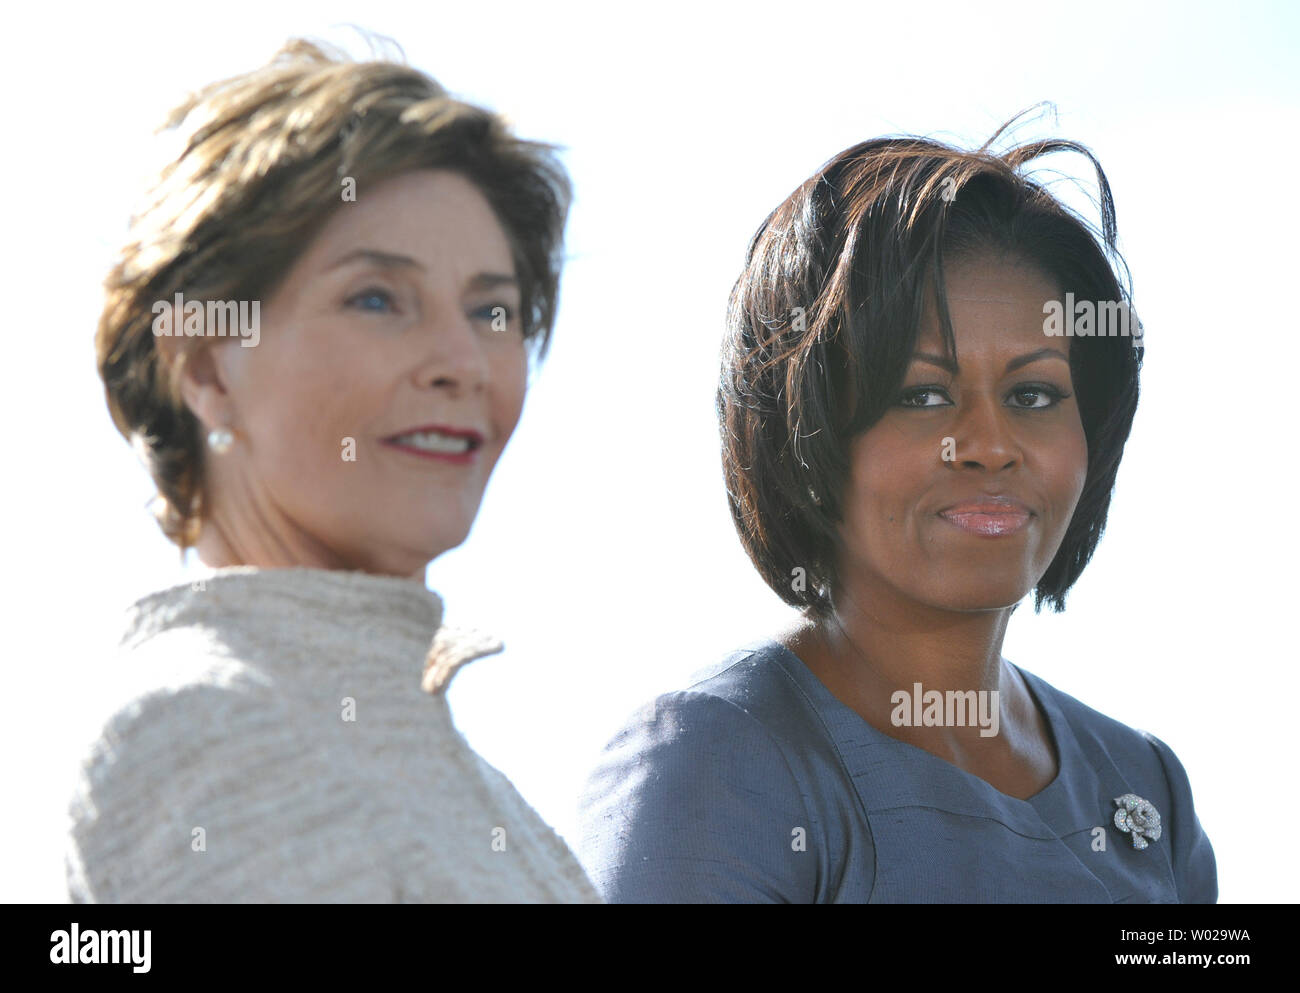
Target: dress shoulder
[
  {"x": 1195, "y": 867},
  {"x": 1114, "y": 739},
  {"x": 695, "y": 799}
]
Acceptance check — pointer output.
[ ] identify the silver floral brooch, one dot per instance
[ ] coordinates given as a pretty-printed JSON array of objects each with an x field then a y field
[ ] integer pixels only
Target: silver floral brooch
[{"x": 1137, "y": 818}]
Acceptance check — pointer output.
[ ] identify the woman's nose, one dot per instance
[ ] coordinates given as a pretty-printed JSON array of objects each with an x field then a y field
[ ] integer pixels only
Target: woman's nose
[
  {"x": 454, "y": 354},
  {"x": 984, "y": 436}
]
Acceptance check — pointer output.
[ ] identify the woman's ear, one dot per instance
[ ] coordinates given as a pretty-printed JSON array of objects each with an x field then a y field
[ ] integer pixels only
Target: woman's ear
[{"x": 202, "y": 382}]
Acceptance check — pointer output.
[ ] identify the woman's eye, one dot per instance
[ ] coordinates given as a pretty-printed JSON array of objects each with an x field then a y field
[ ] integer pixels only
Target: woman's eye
[
  {"x": 499, "y": 314},
  {"x": 373, "y": 299},
  {"x": 1037, "y": 396},
  {"x": 917, "y": 397},
  {"x": 1049, "y": 395}
]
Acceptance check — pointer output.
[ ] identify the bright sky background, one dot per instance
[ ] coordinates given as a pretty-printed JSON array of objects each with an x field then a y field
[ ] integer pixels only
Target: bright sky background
[{"x": 604, "y": 555}]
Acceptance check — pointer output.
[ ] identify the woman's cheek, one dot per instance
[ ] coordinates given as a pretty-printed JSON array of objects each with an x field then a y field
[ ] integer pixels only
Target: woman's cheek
[{"x": 510, "y": 402}]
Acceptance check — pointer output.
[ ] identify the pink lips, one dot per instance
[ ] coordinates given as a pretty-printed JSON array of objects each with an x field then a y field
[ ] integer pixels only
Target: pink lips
[{"x": 992, "y": 516}]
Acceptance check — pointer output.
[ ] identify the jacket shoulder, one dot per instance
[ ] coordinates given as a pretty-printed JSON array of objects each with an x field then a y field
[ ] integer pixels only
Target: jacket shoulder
[
  {"x": 179, "y": 777},
  {"x": 697, "y": 796}
]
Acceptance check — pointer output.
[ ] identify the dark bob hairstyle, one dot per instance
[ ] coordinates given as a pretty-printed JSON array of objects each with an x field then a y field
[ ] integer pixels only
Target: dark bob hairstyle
[{"x": 823, "y": 321}]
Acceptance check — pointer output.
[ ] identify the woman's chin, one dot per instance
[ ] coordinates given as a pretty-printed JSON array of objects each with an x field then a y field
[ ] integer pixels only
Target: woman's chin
[
  {"x": 985, "y": 596},
  {"x": 995, "y": 601},
  {"x": 396, "y": 555}
]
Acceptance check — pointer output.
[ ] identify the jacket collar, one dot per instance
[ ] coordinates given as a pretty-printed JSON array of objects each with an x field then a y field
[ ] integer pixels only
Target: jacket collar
[
  {"x": 453, "y": 647},
  {"x": 340, "y": 607}
]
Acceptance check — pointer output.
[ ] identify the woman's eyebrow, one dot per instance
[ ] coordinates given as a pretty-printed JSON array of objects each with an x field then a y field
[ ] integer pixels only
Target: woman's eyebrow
[
  {"x": 491, "y": 280},
  {"x": 391, "y": 260},
  {"x": 385, "y": 260},
  {"x": 950, "y": 366}
]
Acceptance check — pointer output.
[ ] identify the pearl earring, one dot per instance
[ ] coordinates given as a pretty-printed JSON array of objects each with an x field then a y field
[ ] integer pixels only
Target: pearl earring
[
  {"x": 815, "y": 498},
  {"x": 220, "y": 439}
]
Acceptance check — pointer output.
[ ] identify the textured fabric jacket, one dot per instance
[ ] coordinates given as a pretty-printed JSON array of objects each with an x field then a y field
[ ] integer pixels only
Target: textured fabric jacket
[{"x": 284, "y": 736}]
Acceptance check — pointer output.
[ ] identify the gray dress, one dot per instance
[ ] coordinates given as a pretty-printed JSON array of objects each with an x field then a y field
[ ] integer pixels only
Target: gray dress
[{"x": 757, "y": 785}]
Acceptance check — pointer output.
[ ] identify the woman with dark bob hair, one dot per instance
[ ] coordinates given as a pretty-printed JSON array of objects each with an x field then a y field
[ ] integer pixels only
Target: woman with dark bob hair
[
  {"x": 929, "y": 374},
  {"x": 318, "y": 337}
]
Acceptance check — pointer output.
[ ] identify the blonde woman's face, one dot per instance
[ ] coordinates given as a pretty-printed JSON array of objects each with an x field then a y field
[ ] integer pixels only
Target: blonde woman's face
[{"x": 389, "y": 375}]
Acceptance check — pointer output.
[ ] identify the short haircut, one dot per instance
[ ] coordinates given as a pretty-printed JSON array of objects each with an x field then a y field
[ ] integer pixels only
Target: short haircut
[
  {"x": 263, "y": 166},
  {"x": 824, "y": 318}
]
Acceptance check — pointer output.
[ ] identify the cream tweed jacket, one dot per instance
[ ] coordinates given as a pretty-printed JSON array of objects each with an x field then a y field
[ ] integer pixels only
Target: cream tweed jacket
[{"x": 283, "y": 736}]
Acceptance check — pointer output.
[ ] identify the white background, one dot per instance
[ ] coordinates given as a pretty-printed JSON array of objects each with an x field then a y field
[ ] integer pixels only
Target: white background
[{"x": 604, "y": 555}]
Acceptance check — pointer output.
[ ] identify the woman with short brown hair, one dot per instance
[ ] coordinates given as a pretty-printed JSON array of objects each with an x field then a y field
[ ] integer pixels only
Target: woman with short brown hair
[{"x": 318, "y": 338}]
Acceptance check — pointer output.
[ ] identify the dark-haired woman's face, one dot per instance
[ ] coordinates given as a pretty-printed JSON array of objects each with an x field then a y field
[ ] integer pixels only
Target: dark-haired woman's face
[{"x": 960, "y": 496}]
